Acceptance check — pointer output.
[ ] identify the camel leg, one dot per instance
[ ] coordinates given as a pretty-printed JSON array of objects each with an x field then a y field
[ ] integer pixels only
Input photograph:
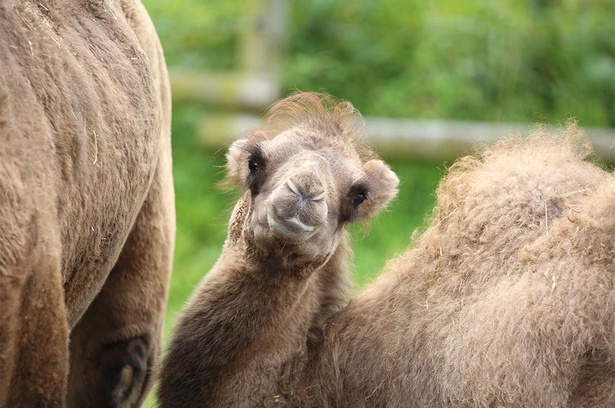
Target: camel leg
[
  {"x": 33, "y": 317},
  {"x": 33, "y": 337},
  {"x": 116, "y": 345},
  {"x": 33, "y": 340}
]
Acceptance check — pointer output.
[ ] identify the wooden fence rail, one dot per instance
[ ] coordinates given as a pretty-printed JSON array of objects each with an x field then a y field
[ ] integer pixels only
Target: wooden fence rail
[{"x": 438, "y": 140}]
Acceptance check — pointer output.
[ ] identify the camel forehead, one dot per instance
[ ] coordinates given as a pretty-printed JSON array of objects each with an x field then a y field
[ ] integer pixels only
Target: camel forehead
[{"x": 331, "y": 148}]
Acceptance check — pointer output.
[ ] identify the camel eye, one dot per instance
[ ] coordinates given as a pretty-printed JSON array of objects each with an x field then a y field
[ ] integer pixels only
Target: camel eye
[
  {"x": 359, "y": 198},
  {"x": 253, "y": 165},
  {"x": 257, "y": 175},
  {"x": 349, "y": 209}
]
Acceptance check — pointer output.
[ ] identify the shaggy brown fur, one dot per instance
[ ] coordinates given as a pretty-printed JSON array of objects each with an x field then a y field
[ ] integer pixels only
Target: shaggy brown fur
[
  {"x": 86, "y": 202},
  {"x": 507, "y": 299},
  {"x": 283, "y": 266}
]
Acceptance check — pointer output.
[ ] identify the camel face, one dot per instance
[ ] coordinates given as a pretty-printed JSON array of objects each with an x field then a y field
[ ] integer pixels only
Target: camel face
[
  {"x": 304, "y": 189},
  {"x": 308, "y": 172}
]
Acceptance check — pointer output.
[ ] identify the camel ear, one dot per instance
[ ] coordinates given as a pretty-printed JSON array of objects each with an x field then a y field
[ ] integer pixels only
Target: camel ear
[
  {"x": 382, "y": 188},
  {"x": 238, "y": 155}
]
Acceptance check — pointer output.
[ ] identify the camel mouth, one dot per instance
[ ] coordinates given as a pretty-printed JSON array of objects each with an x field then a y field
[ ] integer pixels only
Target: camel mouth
[{"x": 288, "y": 228}]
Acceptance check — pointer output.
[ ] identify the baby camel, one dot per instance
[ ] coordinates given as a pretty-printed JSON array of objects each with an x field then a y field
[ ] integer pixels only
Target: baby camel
[{"x": 307, "y": 173}]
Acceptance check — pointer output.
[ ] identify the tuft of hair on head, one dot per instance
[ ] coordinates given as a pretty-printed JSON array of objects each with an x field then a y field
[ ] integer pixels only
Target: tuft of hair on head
[{"x": 322, "y": 112}]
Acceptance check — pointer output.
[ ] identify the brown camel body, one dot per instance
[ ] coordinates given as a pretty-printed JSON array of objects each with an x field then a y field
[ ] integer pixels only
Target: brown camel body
[
  {"x": 507, "y": 299},
  {"x": 86, "y": 202}
]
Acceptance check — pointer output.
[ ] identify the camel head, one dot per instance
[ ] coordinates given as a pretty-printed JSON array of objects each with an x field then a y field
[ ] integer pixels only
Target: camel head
[{"x": 308, "y": 173}]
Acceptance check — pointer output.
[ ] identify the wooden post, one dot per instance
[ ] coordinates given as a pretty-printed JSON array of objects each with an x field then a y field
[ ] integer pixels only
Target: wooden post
[{"x": 262, "y": 37}]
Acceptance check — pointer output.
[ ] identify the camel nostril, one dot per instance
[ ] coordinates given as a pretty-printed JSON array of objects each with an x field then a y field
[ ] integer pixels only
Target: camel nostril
[
  {"x": 291, "y": 185},
  {"x": 302, "y": 193},
  {"x": 318, "y": 197}
]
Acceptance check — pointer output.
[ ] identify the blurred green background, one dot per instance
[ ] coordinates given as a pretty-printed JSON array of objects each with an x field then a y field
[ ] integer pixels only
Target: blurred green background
[
  {"x": 521, "y": 61},
  {"x": 505, "y": 60}
]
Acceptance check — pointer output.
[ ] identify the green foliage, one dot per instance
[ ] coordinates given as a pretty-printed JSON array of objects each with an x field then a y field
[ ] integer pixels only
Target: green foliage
[
  {"x": 507, "y": 60},
  {"x": 478, "y": 60},
  {"x": 197, "y": 34},
  {"x": 201, "y": 208}
]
